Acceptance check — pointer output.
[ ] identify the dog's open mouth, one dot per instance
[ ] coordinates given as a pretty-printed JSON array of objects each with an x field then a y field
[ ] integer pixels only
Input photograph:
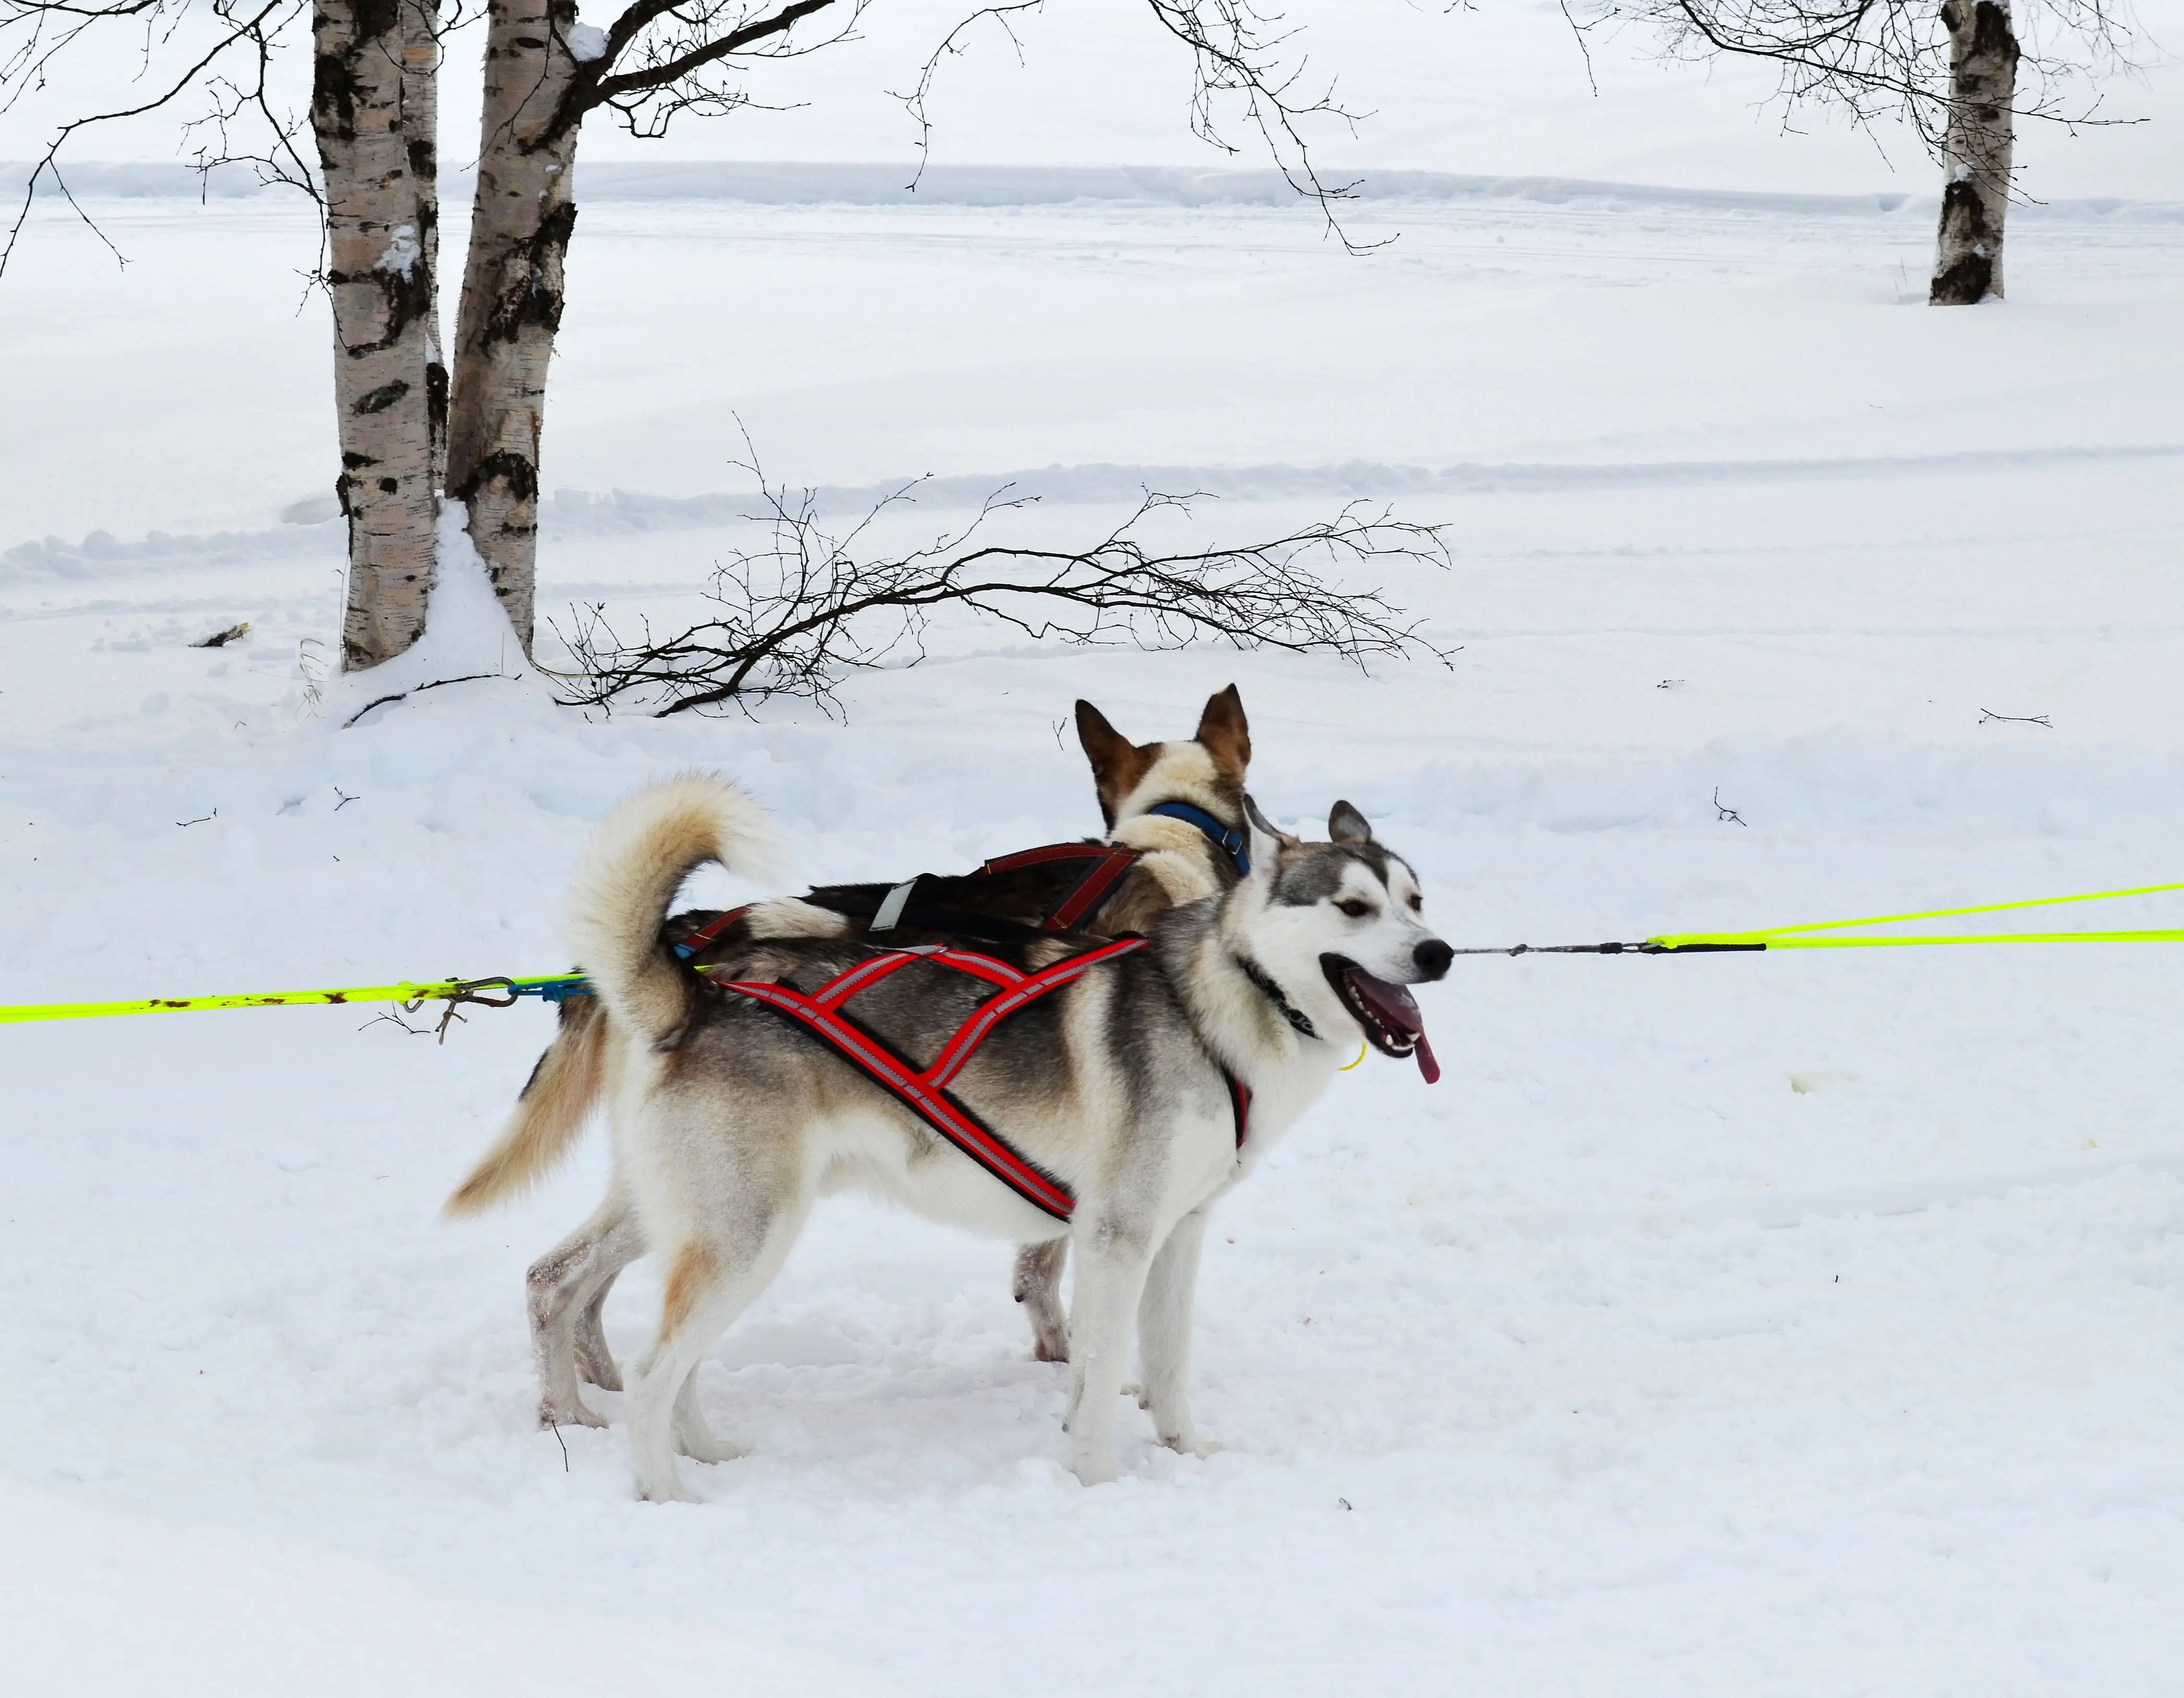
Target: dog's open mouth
[{"x": 1388, "y": 1013}]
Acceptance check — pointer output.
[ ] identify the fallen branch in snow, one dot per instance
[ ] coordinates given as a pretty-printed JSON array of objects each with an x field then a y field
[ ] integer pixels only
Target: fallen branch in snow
[
  {"x": 403, "y": 695},
  {"x": 797, "y": 615},
  {"x": 1722, "y": 814},
  {"x": 1988, "y": 714}
]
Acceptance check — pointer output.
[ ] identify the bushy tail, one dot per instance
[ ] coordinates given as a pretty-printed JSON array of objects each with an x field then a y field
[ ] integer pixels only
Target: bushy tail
[
  {"x": 549, "y": 1114},
  {"x": 627, "y": 877}
]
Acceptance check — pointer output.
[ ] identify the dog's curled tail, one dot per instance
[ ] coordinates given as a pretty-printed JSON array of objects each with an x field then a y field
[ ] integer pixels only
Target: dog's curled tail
[
  {"x": 628, "y": 875},
  {"x": 556, "y": 1103}
]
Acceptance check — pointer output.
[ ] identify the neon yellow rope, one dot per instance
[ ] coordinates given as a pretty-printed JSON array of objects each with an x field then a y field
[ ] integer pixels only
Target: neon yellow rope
[
  {"x": 1347, "y": 1065},
  {"x": 1788, "y": 937},
  {"x": 1775, "y": 938},
  {"x": 1681, "y": 939},
  {"x": 440, "y": 991}
]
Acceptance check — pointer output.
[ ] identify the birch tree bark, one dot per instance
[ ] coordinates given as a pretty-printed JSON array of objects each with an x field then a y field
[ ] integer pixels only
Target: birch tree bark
[
  {"x": 1975, "y": 151},
  {"x": 511, "y": 301},
  {"x": 381, "y": 283},
  {"x": 420, "y": 113}
]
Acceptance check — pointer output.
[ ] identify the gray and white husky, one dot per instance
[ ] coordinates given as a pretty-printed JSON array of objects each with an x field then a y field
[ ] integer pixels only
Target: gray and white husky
[
  {"x": 730, "y": 1122},
  {"x": 566, "y": 1288}
]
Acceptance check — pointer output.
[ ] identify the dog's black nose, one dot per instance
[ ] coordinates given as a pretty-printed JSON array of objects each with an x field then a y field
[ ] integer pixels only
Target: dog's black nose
[{"x": 1433, "y": 957}]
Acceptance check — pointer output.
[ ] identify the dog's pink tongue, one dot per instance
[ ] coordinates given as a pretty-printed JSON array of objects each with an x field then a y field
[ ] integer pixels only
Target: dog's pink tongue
[
  {"x": 1427, "y": 1065},
  {"x": 1395, "y": 1005}
]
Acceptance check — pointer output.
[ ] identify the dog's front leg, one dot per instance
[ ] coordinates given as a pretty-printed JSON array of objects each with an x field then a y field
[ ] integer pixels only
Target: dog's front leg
[
  {"x": 1164, "y": 1324},
  {"x": 1111, "y": 1261}
]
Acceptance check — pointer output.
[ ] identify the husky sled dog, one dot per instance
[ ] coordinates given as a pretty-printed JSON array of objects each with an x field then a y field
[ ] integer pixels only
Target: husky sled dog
[
  {"x": 1177, "y": 861},
  {"x": 1137, "y": 1093}
]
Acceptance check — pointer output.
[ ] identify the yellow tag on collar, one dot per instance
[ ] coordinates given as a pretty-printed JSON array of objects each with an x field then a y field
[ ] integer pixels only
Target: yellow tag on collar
[{"x": 1347, "y": 1066}]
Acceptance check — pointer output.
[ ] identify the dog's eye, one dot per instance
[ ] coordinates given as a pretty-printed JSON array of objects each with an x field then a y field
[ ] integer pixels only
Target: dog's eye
[
  {"x": 1418, "y": 903},
  {"x": 1355, "y": 909}
]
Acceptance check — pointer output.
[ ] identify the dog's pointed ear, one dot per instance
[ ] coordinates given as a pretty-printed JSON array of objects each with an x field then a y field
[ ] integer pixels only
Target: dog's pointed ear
[
  {"x": 1267, "y": 839},
  {"x": 1345, "y": 825},
  {"x": 1226, "y": 734},
  {"x": 1117, "y": 764}
]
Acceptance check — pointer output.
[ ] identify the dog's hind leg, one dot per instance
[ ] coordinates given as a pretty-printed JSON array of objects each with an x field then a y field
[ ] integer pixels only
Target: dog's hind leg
[
  {"x": 713, "y": 1275},
  {"x": 1164, "y": 1322},
  {"x": 1038, "y": 1286},
  {"x": 1112, "y": 1257},
  {"x": 563, "y": 1289},
  {"x": 595, "y": 1362}
]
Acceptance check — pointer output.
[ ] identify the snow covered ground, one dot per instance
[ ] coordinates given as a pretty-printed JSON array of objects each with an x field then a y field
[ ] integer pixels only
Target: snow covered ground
[{"x": 1730, "y": 1326}]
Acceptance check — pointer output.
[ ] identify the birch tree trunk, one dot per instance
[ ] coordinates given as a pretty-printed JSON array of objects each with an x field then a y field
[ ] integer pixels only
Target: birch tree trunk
[
  {"x": 1976, "y": 151},
  {"x": 382, "y": 285},
  {"x": 420, "y": 113},
  {"x": 511, "y": 302}
]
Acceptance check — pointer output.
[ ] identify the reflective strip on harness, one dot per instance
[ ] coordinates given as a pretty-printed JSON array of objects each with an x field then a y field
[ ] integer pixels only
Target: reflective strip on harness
[
  {"x": 890, "y": 909},
  {"x": 924, "y": 1090}
]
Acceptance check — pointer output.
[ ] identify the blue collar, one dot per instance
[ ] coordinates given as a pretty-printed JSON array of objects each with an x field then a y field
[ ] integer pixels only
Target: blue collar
[{"x": 1228, "y": 839}]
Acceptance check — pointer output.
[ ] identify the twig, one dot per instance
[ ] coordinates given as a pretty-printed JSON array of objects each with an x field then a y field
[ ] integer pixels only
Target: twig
[
  {"x": 1721, "y": 813},
  {"x": 394, "y": 1017},
  {"x": 1583, "y": 48},
  {"x": 212, "y": 815},
  {"x": 415, "y": 690},
  {"x": 1988, "y": 714},
  {"x": 346, "y": 799}
]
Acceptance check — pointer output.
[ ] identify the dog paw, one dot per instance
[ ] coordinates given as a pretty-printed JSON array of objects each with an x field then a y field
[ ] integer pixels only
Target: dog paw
[
  {"x": 704, "y": 1447},
  {"x": 670, "y": 1490},
  {"x": 1095, "y": 1471},
  {"x": 599, "y": 1371},
  {"x": 571, "y": 1414},
  {"x": 1191, "y": 1444}
]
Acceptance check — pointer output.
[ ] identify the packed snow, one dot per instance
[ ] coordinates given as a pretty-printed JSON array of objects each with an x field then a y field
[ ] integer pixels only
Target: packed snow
[{"x": 1788, "y": 1324}]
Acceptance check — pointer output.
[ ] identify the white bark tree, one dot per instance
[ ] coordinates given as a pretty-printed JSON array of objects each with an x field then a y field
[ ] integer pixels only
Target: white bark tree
[
  {"x": 372, "y": 108},
  {"x": 1976, "y": 151},
  {"x": 1951, "y": 67}
]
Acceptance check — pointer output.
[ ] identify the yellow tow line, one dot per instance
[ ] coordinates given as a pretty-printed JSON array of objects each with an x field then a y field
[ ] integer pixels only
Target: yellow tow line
[{"x": 553, "y": 987}]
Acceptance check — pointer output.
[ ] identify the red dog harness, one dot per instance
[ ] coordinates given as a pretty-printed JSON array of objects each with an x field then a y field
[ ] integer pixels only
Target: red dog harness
[
  {"x": 924, "y": 1090},
  {"x": 1107, "y": 864}
]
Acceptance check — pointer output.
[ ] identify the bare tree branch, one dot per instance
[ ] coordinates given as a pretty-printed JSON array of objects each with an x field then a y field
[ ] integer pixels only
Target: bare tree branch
[
  {"x": 1236, "y": 60},
  {"x": 797, "y": 616},
  {"x": 1876, "y": 58},
  {"x": 649, "y": 68},
  {"x": 951, "y": 46},
  {"x": 37, "y": 31}
]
